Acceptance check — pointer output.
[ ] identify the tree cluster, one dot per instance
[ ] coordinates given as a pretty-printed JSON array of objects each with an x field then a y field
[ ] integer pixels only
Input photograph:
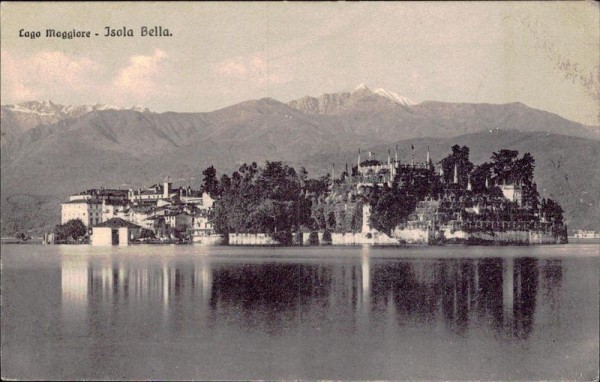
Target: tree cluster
[
  {"x": 391, "y": 206},
  {"x": 262, "y": 199},
  {"x": 73, "y": 229}
]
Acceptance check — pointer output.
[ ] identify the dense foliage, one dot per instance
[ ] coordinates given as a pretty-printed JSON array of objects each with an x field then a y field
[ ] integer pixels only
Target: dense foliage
[
  {"x": 460, "y": 159},
  {"x": 263, "y": 199},
  {"x": 73, "y": 229},
  {"x": 391, "y": 206},
  {"x": 278, "y": 199}
]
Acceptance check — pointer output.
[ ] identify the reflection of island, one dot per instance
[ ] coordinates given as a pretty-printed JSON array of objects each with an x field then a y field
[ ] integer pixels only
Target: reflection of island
[{"x": 502, "y": 292}]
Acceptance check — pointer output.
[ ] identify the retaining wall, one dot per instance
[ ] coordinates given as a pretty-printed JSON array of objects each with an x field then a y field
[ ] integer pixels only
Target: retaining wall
[
  {"x": 412, "y": 235},
  {"x": 251, "y": 239}
]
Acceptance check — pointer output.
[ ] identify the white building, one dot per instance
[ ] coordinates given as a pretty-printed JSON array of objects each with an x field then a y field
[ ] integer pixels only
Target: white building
[
  {"x": 115, "y": 231},
  {"x": 513, "y": 192},
  {"x": 88, "y": 211}
]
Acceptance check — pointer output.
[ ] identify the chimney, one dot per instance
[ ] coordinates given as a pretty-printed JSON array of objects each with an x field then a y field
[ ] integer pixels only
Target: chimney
[
  {"x": 469, "y": 187},
  {"x": 428, "y": 158},
  {"x": 358, "y": 168}
]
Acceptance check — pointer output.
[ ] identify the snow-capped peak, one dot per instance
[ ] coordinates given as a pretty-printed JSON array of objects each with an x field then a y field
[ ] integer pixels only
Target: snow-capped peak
[
  {"x": 104, "y": 107},
  {"x": 48, "y": 108},
  {"x": 393, "y": 97},
  {"x": 139, "y": 108},
  {"x": 360, "y": 87}
]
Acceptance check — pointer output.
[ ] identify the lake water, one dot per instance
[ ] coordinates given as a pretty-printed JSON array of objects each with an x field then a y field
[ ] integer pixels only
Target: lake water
[{"x": 190, "y": 312}]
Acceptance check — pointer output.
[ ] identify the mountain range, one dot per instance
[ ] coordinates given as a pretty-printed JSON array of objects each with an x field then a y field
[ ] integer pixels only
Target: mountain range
[
  {"x": 19, "y": 118},
  {"x": 50, "y": 151}
]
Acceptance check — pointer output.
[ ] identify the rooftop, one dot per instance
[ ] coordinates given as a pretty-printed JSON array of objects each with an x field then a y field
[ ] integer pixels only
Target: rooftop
[{"x": 118, "y": 223}]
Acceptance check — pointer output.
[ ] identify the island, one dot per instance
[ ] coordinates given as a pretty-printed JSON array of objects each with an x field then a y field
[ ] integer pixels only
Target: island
[{"x": 376, "y": 201}]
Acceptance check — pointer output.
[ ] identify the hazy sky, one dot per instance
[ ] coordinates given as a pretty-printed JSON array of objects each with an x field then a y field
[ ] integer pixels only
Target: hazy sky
[{"x": 546, "y": 55}]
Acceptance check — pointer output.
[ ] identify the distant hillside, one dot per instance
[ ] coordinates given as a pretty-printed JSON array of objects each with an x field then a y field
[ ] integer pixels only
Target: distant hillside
[
  {"x": 388, "y": 116},
  {"x": 102, "y": 146},
  {"x": 16, "y": 119}
]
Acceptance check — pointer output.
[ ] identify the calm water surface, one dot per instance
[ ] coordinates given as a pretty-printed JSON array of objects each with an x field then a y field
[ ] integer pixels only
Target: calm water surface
[{"x": 187, "y": 312}]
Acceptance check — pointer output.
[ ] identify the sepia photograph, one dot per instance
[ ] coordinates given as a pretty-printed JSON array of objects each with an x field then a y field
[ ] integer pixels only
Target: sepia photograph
[{"x": 308, "y": 191}]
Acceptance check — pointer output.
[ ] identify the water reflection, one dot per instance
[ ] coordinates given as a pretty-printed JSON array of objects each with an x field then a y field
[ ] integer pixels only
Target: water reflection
[{"x": 354, "y": 294}]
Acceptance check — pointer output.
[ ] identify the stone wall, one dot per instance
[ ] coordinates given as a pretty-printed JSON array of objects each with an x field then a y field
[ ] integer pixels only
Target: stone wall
[
  {"x": 208, "y": 239},
  {"x": 541, "y": 237},
  {"x": 373, "y": 238},
  {"x": 251, "y": 239},
  {"x": 417, "y": 235}
]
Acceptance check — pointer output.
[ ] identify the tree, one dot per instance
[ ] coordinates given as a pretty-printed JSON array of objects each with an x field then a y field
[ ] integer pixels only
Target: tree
[
  {"x": 503, "y": 165},
  {"x": 390, "y": 207},
  {"x": 210, "y": 184},
  {"x": 73, "y": 229},
  {"x": 267, "y": 199},
  {"x": 479, "y": 176},
  {"x": 460, "y": 159},
  {"x": 524, "y": 169},
  {"x": 553, "y": 211}
]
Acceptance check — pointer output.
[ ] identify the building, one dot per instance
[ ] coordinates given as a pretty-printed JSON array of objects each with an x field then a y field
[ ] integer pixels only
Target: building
[
  {"x": 101, "y": 194},
  {"x": 115, "y": 231},
  {"x": 89, "y": 211},
  {"x": 372, "y": 172},
  {"x": 201, "y": 225},
  {"x": 156, "y": 208},
  {"x": 513, "y": 193}
]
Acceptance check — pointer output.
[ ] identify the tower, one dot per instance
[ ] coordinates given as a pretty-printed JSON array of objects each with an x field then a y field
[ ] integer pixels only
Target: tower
[
  {"x": 167, "y": 188},
  {"x": 358, "y": 168},
  {"x": 428, "y": 158},
  {"x": 469, "y": 187},
  {"x": 396, "y": 153},
  {"x": 487, "y": 183}
]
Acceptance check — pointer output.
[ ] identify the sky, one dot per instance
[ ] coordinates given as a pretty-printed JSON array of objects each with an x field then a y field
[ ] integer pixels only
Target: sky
[{"x": 545, "y": 55}]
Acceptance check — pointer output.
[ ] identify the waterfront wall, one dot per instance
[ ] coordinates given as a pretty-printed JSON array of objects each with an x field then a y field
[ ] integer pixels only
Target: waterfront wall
[
  {"x": 541, "y": 237},
  {"x": 251, "y": 239},
  {"x": 412, "y": 235},
  {"x": 373, "y": 238},
  {"x": 208, "y": 239},
  {"x": 422, "y": 235},
  {"x": 408, "y": 235}
]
